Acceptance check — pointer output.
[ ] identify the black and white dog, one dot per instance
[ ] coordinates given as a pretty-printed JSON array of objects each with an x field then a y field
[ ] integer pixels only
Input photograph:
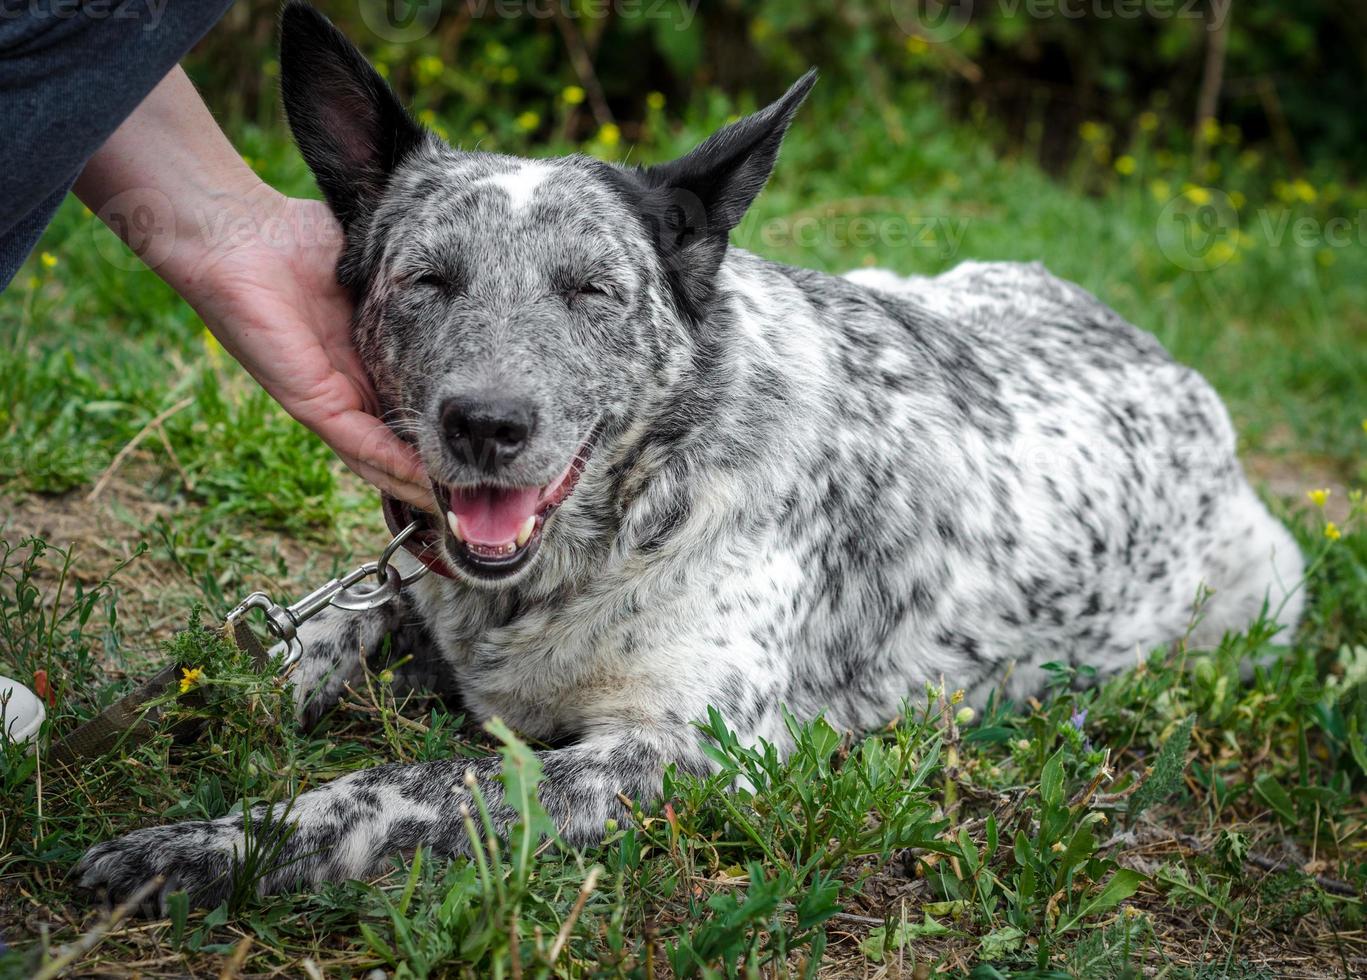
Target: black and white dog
[{"x": 672, "y": 475}]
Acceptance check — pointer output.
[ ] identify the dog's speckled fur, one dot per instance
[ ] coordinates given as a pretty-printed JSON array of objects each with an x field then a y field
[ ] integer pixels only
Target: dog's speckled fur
[{"x": 808, "y": 491}]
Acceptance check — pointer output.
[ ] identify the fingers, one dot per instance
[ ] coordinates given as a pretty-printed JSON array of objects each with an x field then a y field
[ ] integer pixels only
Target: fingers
[
  {"x": 358, "y": 435},
  {"x": 376, "y": 455},
  {"x": 419, "y": 496}
]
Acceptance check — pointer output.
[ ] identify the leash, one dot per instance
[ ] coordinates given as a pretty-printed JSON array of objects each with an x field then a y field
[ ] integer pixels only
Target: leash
[{"x": 132, "y": 718}]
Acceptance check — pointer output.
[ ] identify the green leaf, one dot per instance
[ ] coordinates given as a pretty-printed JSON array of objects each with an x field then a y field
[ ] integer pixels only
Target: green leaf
[
  {"x": 177, "y": 908},
  {"x": 1122, "y": 885},
  {"x": 872, "y": 945},
  {"x": 1051, "y": 780},
  {"x": 521, "y": 775},
  {"x": 1356, "y": 743},
  {"x": 957, "y": 905},
  {"x": 999, "y": 942},
  {"x": 1167, "y": 772},
  {"x": 1079, "y": 849},
  {"x": 968, "y": 852},
  {"x": 1271, "y": 793},
  {"x": 907, "y": 931}
]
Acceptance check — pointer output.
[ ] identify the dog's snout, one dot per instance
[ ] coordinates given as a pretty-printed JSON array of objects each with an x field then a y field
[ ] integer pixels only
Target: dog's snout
[{"x": 487, "y": 432}]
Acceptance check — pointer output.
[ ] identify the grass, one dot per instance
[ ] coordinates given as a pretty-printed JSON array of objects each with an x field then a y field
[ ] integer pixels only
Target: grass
[{"x": 1179, "y": 820}]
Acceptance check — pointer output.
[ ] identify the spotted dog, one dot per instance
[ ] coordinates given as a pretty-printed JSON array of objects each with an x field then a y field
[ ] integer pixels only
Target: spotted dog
[{"x": 671, "y": 474}]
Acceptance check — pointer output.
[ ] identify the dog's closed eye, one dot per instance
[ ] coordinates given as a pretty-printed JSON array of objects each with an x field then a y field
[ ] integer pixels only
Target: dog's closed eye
[
  {"x": 586, "y": 290},
  {"x": 440, "y": 281}
]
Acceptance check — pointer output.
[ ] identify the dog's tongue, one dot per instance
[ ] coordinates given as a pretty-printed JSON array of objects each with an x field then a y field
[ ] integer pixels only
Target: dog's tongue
[{"x": 493, "y": 515}]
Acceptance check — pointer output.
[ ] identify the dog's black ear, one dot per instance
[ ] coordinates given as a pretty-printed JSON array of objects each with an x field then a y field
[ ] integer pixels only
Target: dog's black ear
[
  {"x": 349, "y": 125},
  {"x": 692, "y": 203}
]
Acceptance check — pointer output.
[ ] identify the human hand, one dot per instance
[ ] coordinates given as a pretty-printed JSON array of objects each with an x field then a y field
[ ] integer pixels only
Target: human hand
[
  {"x": 258, "y": 267},
  {"x": 270, "y": 295}
]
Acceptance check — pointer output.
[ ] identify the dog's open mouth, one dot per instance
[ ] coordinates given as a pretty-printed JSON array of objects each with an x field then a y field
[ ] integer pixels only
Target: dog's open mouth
[{"x": 491, "y": 531}]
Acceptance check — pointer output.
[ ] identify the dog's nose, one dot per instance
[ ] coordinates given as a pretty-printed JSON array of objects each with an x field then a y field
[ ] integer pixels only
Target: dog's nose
[{"x": 487, "y": 432}]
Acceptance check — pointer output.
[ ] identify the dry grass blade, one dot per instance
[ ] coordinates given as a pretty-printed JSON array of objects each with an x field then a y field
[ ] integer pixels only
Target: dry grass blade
[{"x": 92, "y": 938}]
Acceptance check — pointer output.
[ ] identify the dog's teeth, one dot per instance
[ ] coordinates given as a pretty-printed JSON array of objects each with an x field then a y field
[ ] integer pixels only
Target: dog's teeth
[
  {"x": 525, "y": 535},
  {"x": 454, "y": 521}
]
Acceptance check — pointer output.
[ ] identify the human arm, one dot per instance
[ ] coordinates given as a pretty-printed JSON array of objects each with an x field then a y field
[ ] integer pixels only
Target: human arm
[{"x": 258, "y": 267}]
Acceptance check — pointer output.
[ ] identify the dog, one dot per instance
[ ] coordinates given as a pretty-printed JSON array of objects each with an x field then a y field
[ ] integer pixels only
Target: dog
[{"x": 672, "y": 475}]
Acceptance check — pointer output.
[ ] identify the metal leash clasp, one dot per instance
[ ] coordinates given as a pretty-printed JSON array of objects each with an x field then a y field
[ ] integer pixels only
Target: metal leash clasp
[{"x": 348, "y": 592}]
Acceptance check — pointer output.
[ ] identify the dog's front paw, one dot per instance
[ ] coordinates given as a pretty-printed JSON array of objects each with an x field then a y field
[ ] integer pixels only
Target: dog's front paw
[
  {"x": 198, "y": 858},
  {"x": 334, "y": 647}
]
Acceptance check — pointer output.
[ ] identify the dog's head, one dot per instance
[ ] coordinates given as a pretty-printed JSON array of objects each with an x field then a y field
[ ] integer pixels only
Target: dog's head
[{"x": 514, "y": 314}]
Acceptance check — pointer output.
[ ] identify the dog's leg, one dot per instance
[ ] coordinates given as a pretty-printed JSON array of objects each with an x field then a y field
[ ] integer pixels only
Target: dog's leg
[
  {"x": 352, "y": 827},
  {"x": 338, "y": 644}
]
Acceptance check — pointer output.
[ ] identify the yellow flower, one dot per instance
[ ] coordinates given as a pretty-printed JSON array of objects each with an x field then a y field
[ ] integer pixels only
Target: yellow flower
[
  {"x": 428, "y": 69},
  {"x": 1304, "y": 190},
  {"x": 609, "y": 134},
  {"x": 427, "y": 117},
  {"x": 655, "y": 101},
  {"x": 956, "y": 697},
  {"x": 213, "y": 349},
  {"x": 1332, "y": 532},
  {"x": 508, "y": 75},
  {"x": 1221, "y": 252},
  {"x": 1148, "y": 122},
  {"x": 1196, "y": 195},
  {"x": 1124, "y": 165},
  {"x": 1364, "y": 425},
  {"x": 1160, "y": 190},
  {"x": 190, "y": 676},
  {"x": 1237, "y": 199},
  {"x": 1210, "y": 131},
  {"x": 1092, "y": 132},
  {"x": 49, "y": 260},
  {"x": 33, "y": 282},
  {"x": 573, "y": 95},
  {"x": 1319, "y": 497},
  {"x": 382, "y": 69},
  {"x": 916, "y": 45},
  {"x": 528, "y": 121}
]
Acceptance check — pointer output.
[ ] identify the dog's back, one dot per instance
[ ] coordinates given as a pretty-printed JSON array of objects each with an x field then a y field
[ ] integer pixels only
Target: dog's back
[{"x": 1036, "y": 480}]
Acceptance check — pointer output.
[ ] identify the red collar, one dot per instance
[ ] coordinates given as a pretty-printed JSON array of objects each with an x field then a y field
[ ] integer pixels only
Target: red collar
[{"x": 422, "y": 546}]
